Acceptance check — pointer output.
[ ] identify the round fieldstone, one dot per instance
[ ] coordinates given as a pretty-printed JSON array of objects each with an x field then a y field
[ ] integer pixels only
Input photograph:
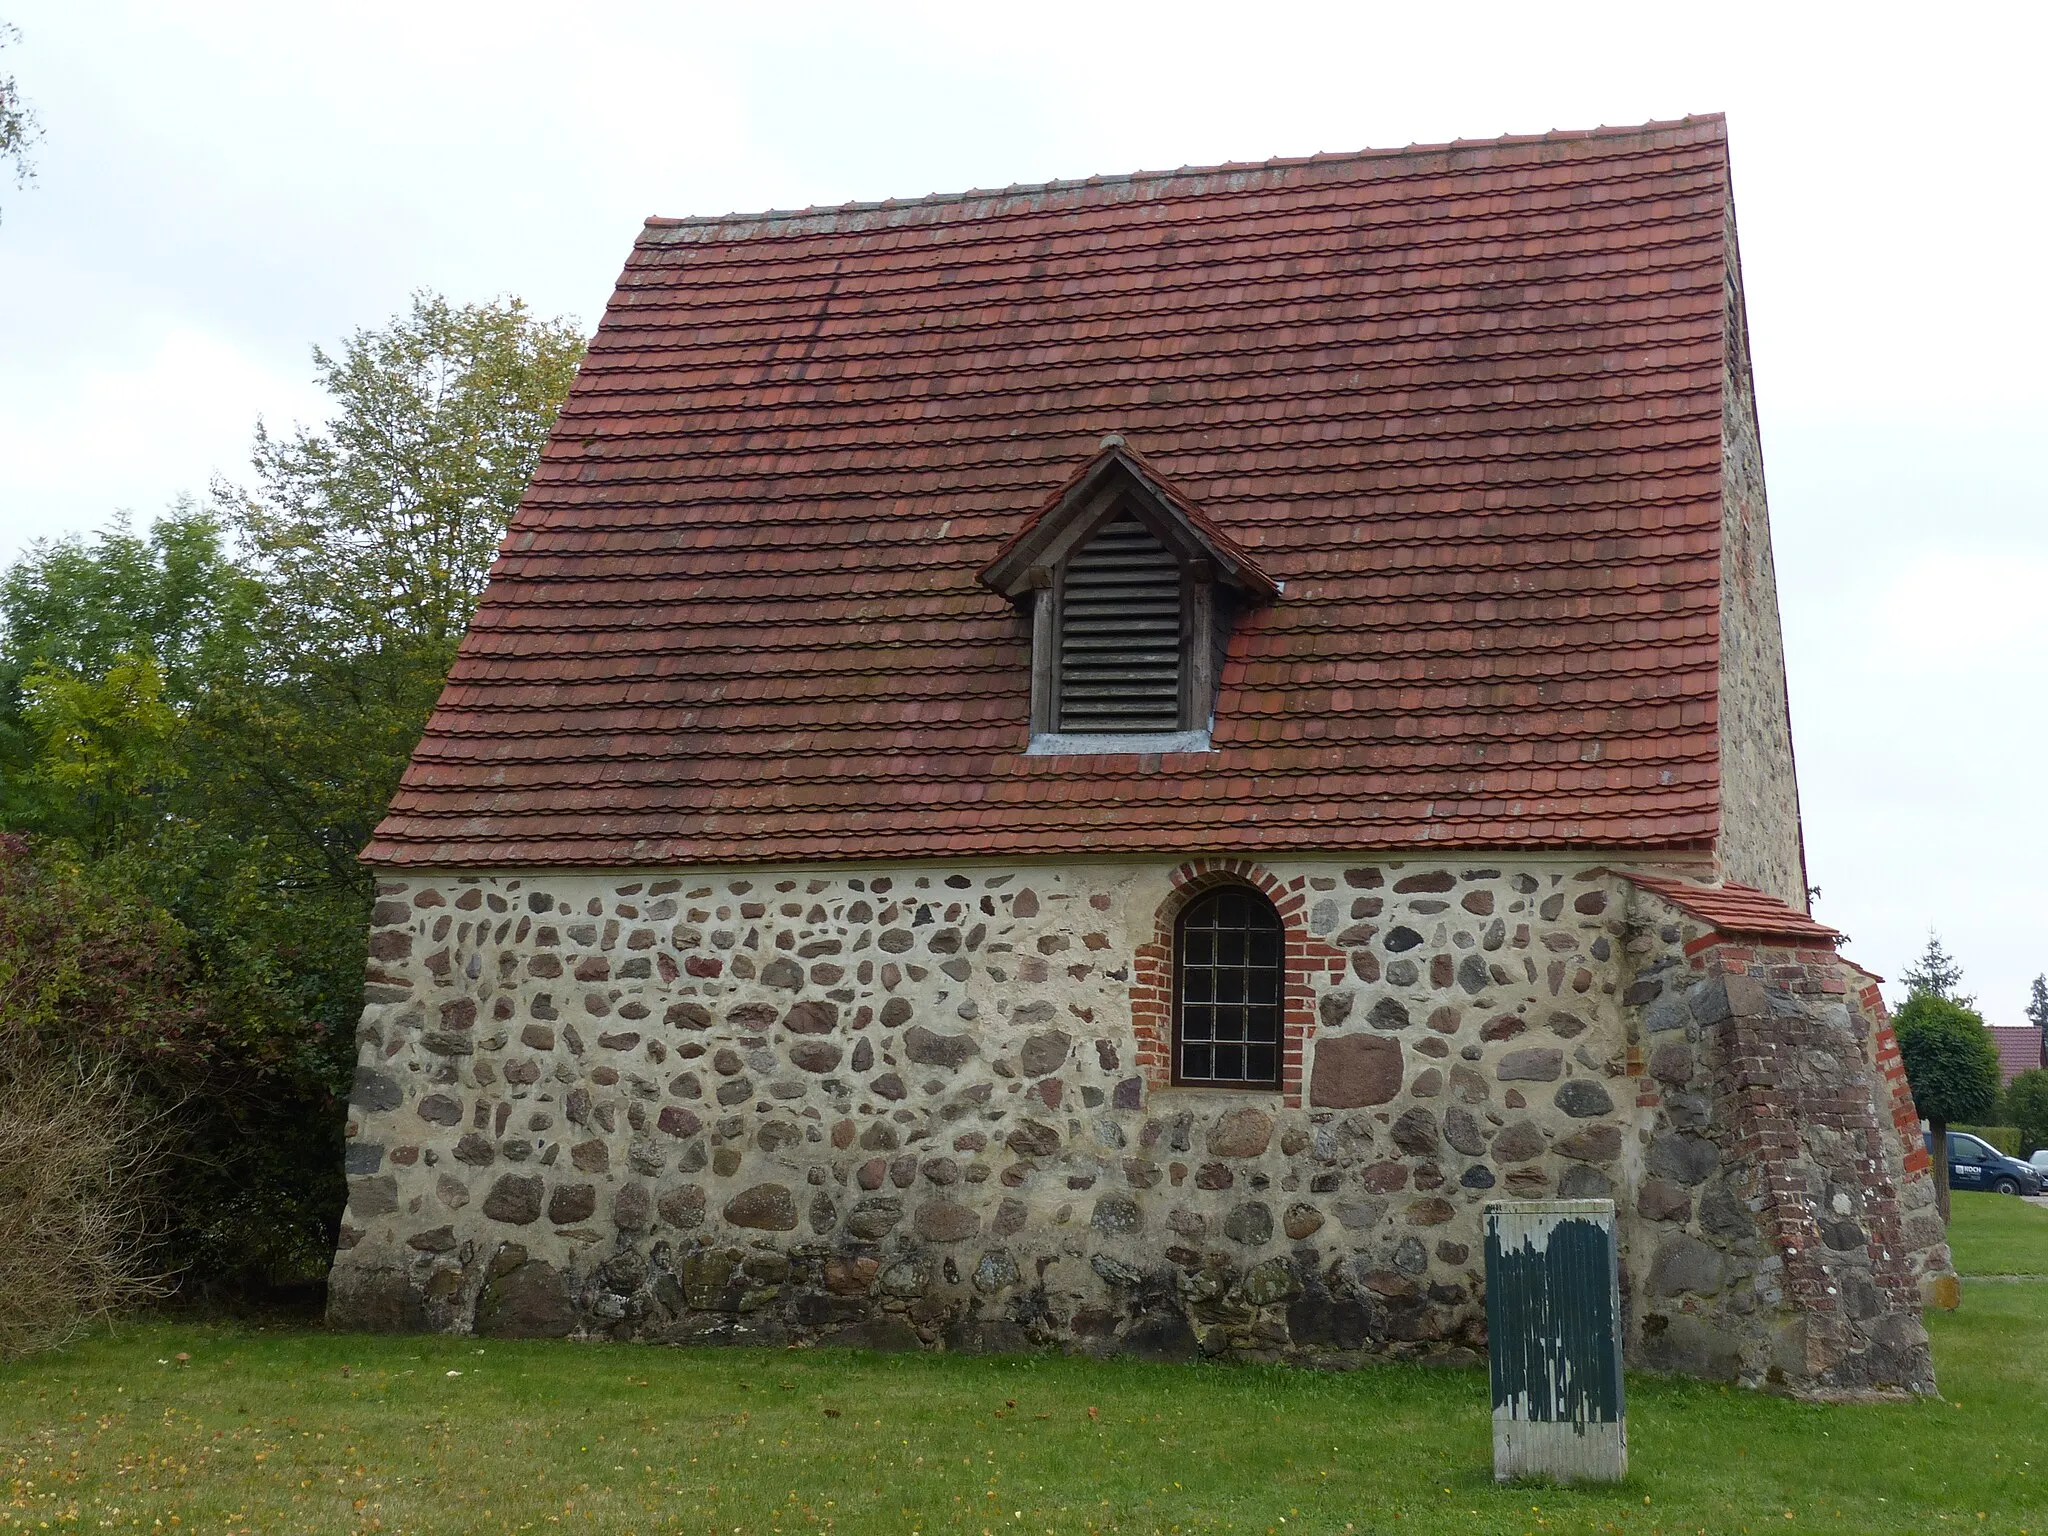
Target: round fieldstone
[
  {"x": 1269, "y": 1283},
  {"x": 1117, "y": 1215},
  {"x": 682, "y": 1207},
  {"x": 1360, "y": 1215},
  {"x": 440, "y": 1109},
  {"x": 678, "y": 1121},
  {"x": 1535, "y": 1064},
  {"x": 1384, "y": 1178},
  {"x": 633, "y": 1208},
  {"x": 764, "y": 1207},
  {"x": 931, "y": 1049},
  {"x": 1663, "y": 1200},
  {"x": 1683, "y": 1158},
  {"x": 1461, "y": 1130},
  {"x": 1520, "y": 1142},
  {"x": 1045, "y": 1052},
  {"x": 1584, "y": 1182},
  {"x": 1469, "y": 1085},
  {"x": 1415, "y": 1131},
  {"x": 1114, "y": 1271},
  {"x": 1353, "y": 1071},
  {"x": 1593, "y": 1144},
  {"x": 1432, "y": 1212},
  {"x": 1242, "y": 1132},
  {"x": 1684, "y": 1264},
  {"x": 515, "y": 1198},
  {"x": 1250, "y": 1223},
  {"x": 945, "y": 1221},
  {"x": 1671, "y": 1062},
  {"x": 571, "y": 1203},
  {"x": 815, "y": 1055},
  {"x": 811, "y": 1018},
  {"x": 1582, "y": 1099},
  {"x": 1033, "y": 1139},
  {"x": 1387, "y": 1014},
  {"x": 377, "y": 1091},
  {"x": 1301, "y": 1220},
  {"x": 996, "y": 1271},
  {"x": 874, "y": 1218},
  {"x": 823, "y": 1215}
]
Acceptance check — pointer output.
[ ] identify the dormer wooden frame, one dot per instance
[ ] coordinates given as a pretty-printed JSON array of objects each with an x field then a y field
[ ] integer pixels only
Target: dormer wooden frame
[{"x": 1030, "y": 570}]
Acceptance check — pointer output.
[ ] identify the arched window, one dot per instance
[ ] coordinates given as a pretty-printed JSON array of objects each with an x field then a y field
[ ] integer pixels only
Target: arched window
[{"x": 1228, "y": 953}]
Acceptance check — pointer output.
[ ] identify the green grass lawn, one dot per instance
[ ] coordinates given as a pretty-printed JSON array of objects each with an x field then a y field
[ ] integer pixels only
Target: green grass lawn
[
  {"x": 1997, "y": 1235},
  {"x": 298, "y": 1430}
]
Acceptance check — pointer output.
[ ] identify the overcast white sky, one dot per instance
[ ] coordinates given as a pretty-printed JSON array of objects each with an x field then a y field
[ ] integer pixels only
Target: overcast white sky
[{"x": 224, "y": 185}]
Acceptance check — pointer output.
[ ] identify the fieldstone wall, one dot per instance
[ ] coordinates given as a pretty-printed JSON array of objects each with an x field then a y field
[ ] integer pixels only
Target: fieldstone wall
[
  {"x": 1787, "y": 1235},
  {"x": 931, "y": 1107},
  {"x": 1760, "y": 841},
  {"x": 925, "y": 1106}
]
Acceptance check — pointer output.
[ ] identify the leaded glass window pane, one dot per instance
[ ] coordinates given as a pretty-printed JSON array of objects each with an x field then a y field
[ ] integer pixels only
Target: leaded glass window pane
[{"x": 1227, "y": 991}]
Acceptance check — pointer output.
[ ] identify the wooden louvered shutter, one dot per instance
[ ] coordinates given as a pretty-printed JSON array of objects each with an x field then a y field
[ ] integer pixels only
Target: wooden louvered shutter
[{"x": 1120, "y": 633}]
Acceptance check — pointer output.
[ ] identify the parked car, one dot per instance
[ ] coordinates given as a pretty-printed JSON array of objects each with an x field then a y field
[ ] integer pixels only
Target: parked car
[
  {"x": 2039, "y": 1163},
  {"x": 1974, "y": 1163}
]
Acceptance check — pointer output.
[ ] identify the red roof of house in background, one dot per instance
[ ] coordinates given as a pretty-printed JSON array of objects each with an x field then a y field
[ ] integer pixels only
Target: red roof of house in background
[
  {"x": 2019, "y": 1049},
  {"x": 1465, "y": 402},
  {"x": 1739, "y": 910}
]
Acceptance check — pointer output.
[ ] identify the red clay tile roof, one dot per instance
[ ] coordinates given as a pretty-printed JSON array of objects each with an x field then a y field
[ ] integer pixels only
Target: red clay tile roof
[
  {"x": 1465, "y": 402},
  {"x": 2019, "y": 1049},
  {"x": 1739, "y": 910}
]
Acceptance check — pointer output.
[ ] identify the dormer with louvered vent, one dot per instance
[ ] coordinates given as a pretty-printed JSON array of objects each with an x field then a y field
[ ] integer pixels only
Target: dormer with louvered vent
[
  {"x": 1122, "y": 576},
  {"x": 1121, "y": 618}
]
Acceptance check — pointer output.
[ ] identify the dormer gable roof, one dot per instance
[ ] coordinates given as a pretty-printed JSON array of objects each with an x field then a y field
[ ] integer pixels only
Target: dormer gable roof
[{"x": 1118, "y": 472}]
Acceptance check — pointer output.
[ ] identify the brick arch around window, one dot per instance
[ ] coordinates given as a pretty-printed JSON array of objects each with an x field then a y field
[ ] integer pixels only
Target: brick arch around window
[{"x": 1310, "y": 965}]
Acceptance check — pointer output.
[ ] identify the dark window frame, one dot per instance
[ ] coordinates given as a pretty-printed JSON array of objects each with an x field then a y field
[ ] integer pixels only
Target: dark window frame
[{"x": 1275, "y": 1004}]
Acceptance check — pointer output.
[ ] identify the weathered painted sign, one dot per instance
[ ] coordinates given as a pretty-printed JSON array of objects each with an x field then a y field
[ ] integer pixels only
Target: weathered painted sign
[{"x": 1553, "y": 1326}]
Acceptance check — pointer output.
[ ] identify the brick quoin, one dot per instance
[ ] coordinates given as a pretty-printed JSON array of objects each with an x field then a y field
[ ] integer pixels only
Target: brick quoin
[{"x": 1306, "y": 959}]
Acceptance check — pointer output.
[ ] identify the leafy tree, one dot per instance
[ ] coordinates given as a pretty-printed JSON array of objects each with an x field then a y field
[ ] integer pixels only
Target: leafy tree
[
  {"x": 2026, "y": 1106},
  {"x": 1952, "y": 1066},
  {"x": 2037, "y": 1005},
  {"x": 213, "y": 716},
  {"x": 372, "y": 539},
  {"x": 1937, "y": 974},
  {"x": 19, "y": 129}
]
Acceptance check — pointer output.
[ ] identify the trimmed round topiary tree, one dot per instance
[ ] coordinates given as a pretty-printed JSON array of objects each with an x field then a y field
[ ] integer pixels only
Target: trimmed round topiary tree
[{"x": 1952, "y": 1066}]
